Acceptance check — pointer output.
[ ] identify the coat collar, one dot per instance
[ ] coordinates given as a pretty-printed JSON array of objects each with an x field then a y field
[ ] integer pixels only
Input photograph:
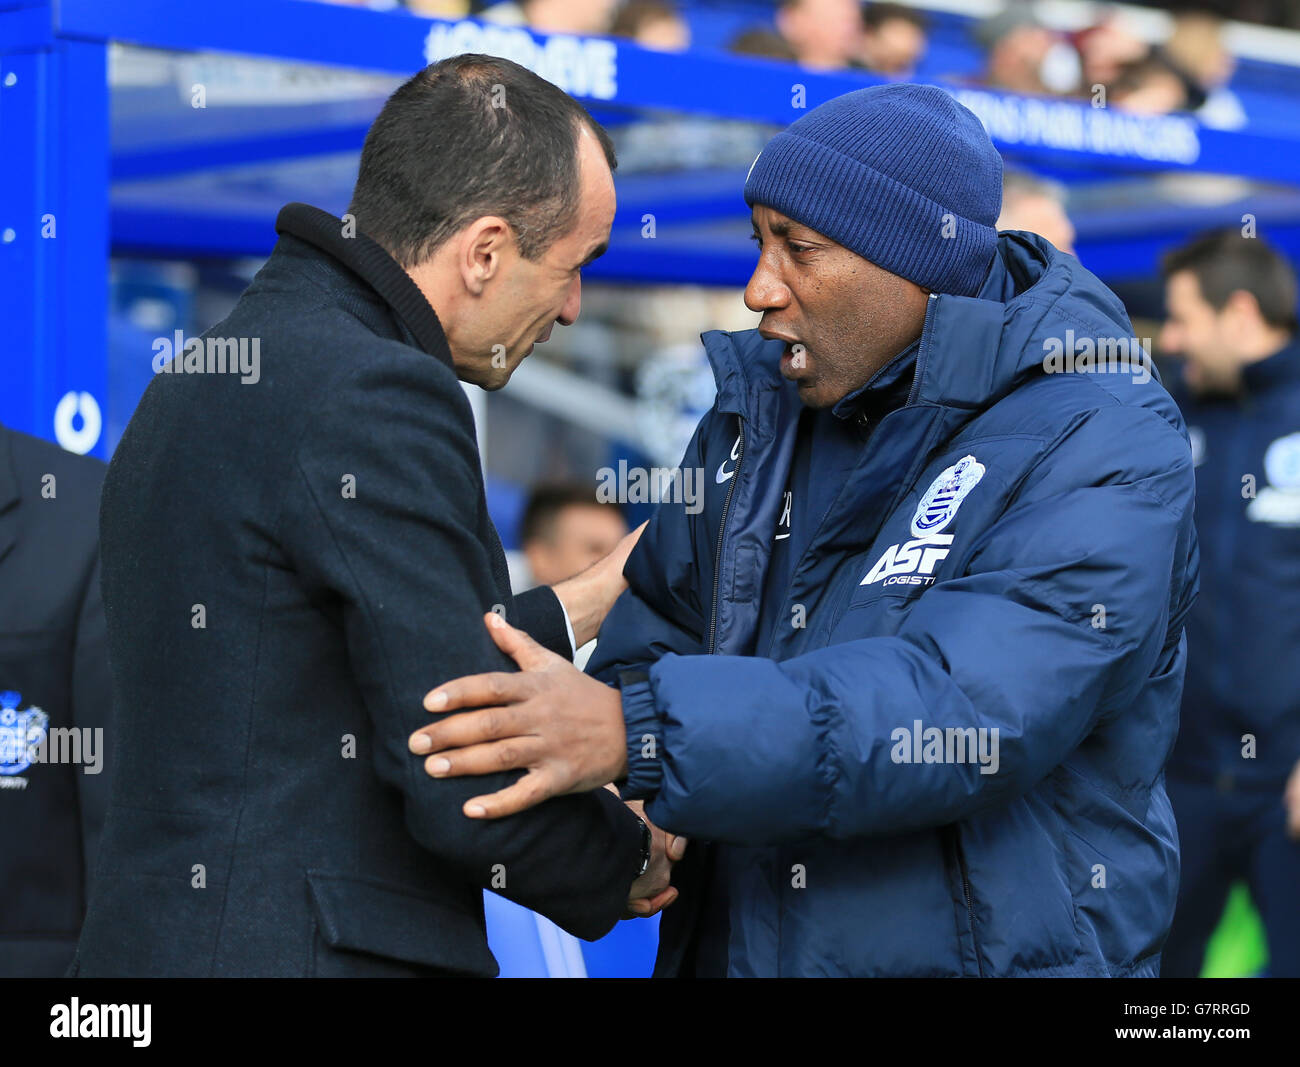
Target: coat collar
[
  {"x": 371, "y": 262},
  {"x": 1281, "y": 368}
]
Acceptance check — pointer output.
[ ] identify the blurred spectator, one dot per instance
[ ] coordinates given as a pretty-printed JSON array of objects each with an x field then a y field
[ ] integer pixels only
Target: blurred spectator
[
  {"x": 1232, "y": 318},
  {"x": 555, "y": 16},
  {"x": 1037, "y": 205},
  {"x": 1189, "y": 72},
  {"x": 565, "y": 530},
  {"x": 55, "y": 704},
  {"x": 653, "y": 24},
  {"x": 1024, "y": 56},
  {"x": 762, "y": 43},
  {"x": 440, "y": 9},
  {"x": 893, "y": 40},
  {"x": 1153, "y": 86},
  {"x": 1105, "y": 50},
  {"x": 824, "y": 34},
  {"x": 1196, "y": 48}
]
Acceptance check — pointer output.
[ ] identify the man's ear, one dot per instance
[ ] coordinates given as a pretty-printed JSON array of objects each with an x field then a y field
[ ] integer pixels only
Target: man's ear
[
  {"x": 480, "y": 251},
  {"x": 1242, "y": 306}
]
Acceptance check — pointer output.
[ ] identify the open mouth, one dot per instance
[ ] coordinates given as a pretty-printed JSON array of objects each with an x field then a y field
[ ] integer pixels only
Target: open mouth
[
  {"x": 794, "y": 357},
  {"x": 794, "y": 360}
]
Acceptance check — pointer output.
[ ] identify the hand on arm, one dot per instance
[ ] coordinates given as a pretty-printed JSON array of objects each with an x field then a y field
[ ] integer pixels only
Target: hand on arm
[{"x": 564, "y": 728}]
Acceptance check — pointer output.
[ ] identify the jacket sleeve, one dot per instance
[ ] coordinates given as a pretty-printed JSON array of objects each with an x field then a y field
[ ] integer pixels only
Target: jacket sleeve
[
  {"x": 384, "y": 525},
  {"x": 540, "y": 614},
  {"x": 1063, "y": 609}
]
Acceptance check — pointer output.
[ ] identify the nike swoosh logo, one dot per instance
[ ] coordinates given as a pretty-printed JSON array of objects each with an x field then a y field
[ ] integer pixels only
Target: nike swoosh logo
[{"x": 724, "y": 474}]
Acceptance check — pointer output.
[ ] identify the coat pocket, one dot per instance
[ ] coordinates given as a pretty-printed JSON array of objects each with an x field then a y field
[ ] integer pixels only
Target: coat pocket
[{"x": 359, "y": 919}]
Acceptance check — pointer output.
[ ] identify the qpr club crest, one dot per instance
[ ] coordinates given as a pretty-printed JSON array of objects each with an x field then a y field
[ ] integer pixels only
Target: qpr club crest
[
  {"x": 1278, "y": 503},
  {"x": 21, "y": 733},
  {"x": 944, "y": 497}
]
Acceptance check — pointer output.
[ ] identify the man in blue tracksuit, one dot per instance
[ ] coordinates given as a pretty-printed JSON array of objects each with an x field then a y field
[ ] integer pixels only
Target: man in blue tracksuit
[
  {"x": 1232, "y": 318},
  {"x": 908, "y": 679}
]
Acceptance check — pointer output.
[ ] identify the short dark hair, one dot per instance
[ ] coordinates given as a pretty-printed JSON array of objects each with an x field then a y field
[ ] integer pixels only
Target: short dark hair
[
  {"x": 470, "y": 136},
  {"x": 636, "y": 14},
  {"x": 547, "y": 501},
  {"x": 876, "y": 15},
  {"x": 1223, "y": 262}
]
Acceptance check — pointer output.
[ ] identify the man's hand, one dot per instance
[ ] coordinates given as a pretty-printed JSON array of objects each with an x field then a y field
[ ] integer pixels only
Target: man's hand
[
  {"x": 564, "y": 728},
  {"x": 651, "y": 893},
  {"x": 587, "y": 597},
  {"x": 1292, "y": 800}
]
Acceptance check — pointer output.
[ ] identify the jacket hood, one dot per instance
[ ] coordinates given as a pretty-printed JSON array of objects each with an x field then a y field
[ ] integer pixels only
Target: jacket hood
[{"x": 1034, "y": 301}]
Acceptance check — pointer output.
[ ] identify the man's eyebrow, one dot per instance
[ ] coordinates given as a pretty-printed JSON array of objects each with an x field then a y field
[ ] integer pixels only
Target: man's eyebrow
[
  {"x": 595, "y": 253},
  {"x": 779, "y": 227}
]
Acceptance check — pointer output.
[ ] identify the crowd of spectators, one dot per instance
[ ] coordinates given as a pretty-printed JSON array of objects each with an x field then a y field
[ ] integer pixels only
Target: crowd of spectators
[{"x": 1107, "y": 62}]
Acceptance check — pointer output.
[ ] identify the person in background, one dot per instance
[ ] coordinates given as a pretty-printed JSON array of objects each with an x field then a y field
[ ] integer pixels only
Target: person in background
[
  {"x": 1037, "y": 205},
  {"x": 1105, "y": 50},
  {"x": 823, "y": 34},
  {"x": 1231, "y": 304},
  {"x": 584, "y": 17},
  {"x": 653, "y": 24},
  {"x": 1154, "y": 86},
  {"x": 892, "y": 41},
  {"x": 441, "y": 9},
  {"x": 761, "y": 43},
  {"x": 1195, "y": 46},
  {"x": 565, "y": 530},
  {"x": 1025, "y": 56},
  {"x": 53, "y": 676}
]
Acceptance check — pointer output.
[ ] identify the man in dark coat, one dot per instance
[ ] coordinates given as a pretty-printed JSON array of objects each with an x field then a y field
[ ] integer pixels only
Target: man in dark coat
[
  {"x": 54, "y": 701},
  {"x": 296, "y": 546}
]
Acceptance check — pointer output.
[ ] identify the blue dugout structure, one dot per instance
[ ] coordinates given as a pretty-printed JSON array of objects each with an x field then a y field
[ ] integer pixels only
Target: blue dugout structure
[{"x": 89, "y": 170}]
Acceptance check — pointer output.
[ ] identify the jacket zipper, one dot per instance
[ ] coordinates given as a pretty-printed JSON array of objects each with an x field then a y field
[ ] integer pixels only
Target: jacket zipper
[
  {"x": 966, "y": 894},
  {"x": 872, "y": 429},
  {"x": 927, "y": 329},
  {"x": 722, "y": 529}
]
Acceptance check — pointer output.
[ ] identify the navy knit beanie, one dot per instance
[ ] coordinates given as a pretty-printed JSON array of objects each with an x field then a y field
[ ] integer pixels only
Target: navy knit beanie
[{"x": 903, "y": 175}]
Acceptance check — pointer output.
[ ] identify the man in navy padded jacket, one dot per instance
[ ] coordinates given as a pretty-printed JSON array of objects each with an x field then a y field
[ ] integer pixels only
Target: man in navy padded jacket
[{"x": 908, "y": 679}]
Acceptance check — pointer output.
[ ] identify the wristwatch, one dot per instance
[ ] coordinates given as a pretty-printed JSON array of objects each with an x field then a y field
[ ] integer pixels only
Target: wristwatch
[{"x": 647, "y": 841}]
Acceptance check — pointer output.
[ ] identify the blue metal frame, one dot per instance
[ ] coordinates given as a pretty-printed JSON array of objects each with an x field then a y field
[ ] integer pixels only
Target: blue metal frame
[{"x": 53, "y": 230}]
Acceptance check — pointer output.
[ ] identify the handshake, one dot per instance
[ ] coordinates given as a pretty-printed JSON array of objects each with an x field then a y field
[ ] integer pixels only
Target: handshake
[{"x": 653, "y": 892}]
